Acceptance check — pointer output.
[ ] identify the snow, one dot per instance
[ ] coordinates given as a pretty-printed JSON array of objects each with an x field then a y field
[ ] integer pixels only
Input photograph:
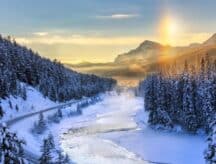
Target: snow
[
  {"x": 115, "y": 130},
  {"x": 119, "y": 133},
  {"x": 23, "y": 129},
  {"x": 161, "y": 146},
  {"x": 35, "y": 101},
  {"x": 86, "y": 147}
]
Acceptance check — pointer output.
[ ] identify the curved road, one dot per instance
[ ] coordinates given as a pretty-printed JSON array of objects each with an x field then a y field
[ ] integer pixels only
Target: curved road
[{"x": 29, "y": 155}]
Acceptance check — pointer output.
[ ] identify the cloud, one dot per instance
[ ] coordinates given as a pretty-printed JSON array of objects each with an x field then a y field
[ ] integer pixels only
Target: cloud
[
  {"x": 80, "y": 40},
  {"x": 118, "y": 16},
  {"x": 40, "y": 33},
  {"x": 76, "y": 39}
]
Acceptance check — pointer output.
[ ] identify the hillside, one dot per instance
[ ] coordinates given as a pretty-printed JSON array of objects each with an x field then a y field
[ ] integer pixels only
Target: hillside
[
  {"x": 21, "y": 68},
  {"x": 151, "y": 52},
  {"x": 148, "y": 52}
]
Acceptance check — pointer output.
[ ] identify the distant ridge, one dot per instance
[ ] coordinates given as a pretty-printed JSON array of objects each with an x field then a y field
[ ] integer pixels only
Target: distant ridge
[
  {"x": 211, "y": 40},
  {"x": 148, "y": 56}
]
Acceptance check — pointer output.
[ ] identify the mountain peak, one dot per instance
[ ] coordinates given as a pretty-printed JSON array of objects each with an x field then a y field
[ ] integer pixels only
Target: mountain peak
[
  {"x": 211, "y": 40},
  {"x": 149, "y": 44}
]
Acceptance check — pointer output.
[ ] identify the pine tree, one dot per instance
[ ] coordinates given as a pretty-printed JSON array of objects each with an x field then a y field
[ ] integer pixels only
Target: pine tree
[
  {"x": 210, "y": 152},
  {"x": 189, "y": 116},
  {"x": 51, "y": 141},
  {"x": 187, "y": 99},
  {"x": 17, "y": 108},
  {"x": 208, "y": 103},
  {"x": 60, "y": 159},
  {"x": 10, "y": 104},
  {"x": 46, "y": 157},
  {"x": 59, "y": 113},
  {"x": 1, "y": 112},
  {"x": 19, "y": 64},
  {"x": 40, "y": 126},
  {"x": 11, "y": 148},
  {"x": 66, "y": 159}
]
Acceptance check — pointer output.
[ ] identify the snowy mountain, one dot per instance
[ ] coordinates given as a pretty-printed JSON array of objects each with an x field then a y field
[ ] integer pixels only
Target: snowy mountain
[
  {"x": 150, "y": 52},
  {"x": 21, "y": 68},
  {"x": 211, "y": 40},
  {"x": 131, "y": 67}
]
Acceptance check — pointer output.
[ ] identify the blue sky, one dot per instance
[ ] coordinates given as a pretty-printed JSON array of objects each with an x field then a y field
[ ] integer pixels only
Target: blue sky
[{"x": 59, "y": 28}]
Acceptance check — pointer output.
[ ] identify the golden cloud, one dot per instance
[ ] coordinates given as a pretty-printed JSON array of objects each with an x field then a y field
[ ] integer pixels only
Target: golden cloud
[{"x": 47, "y": 39}]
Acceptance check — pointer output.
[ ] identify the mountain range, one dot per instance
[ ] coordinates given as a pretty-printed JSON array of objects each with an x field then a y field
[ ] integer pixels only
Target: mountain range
[{"x": 132, "y": 66}]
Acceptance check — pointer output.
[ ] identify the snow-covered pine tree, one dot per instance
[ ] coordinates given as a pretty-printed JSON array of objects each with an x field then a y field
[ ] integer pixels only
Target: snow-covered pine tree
[
  {"x": 67, "y": 159},
  {"x": 11, "y": 148},
  {"x": 40, "y": 126},
  {"x": 10, "y": 104},
  {"x": 175, "y": 97},
  {"x": 188, "y": 110},
  {"x": 56, "y": 117},
  {"x": 1, "y": 112},
  {"x": 46, "y": 157},
  {"x": 19, "y": 64},
  {"x": 59, "y": 113},
  {"x": 51, "y": 141},
  {"x": 62, "y": 159},
  {"x": 16, "y": 107},
  {"x": 210, "y": 152},
  {"x": 159, "y": 115},
  {"x": 149, "y": 94},
  {"x": 208, "y": 103},
  {"x": 188, "y": 98}
]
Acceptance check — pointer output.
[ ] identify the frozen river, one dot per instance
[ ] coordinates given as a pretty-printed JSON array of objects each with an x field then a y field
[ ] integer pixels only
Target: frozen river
[{"x": 115, "y": 131}]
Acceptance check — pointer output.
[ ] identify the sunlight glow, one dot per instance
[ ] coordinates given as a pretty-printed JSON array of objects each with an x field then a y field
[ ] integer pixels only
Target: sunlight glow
[{"x": 168, "y": 30}]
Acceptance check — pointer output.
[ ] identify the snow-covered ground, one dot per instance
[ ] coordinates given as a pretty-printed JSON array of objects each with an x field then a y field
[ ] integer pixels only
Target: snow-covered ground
[
  {"x": 24, "y": 127},
  {"x": 115, "y": 130},
  {"x": 35, "y": 101},
  {"x": 161, "y": 146}
]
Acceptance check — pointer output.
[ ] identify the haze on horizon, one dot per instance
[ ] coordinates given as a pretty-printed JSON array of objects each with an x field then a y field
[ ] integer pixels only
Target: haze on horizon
[{"x": 99, "y": 30}]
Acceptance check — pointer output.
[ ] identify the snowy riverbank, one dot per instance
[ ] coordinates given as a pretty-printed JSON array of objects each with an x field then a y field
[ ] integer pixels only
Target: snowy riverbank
[
  {"x": 115, "y": 130},
  {"x": 108, "y": 132}
]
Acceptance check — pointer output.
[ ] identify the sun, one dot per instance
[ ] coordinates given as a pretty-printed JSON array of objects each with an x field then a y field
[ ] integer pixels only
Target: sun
[
  {"x": 168, "y": 29},
  {"x": 171, "y": 28}
]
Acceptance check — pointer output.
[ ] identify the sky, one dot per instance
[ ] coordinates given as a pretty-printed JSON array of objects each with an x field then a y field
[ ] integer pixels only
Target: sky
[{"x": 74, "y": 31}]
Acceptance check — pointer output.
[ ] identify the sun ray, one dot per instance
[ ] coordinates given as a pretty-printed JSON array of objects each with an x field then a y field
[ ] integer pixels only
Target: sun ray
[{"x": 168, "y": 29}]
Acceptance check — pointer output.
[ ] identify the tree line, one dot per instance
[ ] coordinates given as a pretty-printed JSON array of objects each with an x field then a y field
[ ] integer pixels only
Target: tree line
[
  {"x": 187, "y": 99},
  {"x": 51, "y": 78}
]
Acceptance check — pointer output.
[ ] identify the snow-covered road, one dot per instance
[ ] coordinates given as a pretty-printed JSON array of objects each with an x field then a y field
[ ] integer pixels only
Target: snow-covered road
[{"x": 109, "y": 132}]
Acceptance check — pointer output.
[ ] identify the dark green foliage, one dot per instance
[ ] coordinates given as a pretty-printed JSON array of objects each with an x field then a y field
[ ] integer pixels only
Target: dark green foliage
[
  {"x": 51, "y": 141},
  {"x": 59, "y": 113},
  {"x": 56, "y": 117},
  {"x": 210, "y": 152},
  {"x": 17, "y": 108},
  {"x": 49, "y": 153},
  {"x": 46, "y": 157},
  {"x": 1, "y": 111},
  {"x": 19, "y": 64},
  {"x": 11, "y": 148},
  {"x": 62, "y": 159},
  {"x": 10, "y": 104},
  {"x": 39, "y": 126},
  {"x": 187, "y": 99}
]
